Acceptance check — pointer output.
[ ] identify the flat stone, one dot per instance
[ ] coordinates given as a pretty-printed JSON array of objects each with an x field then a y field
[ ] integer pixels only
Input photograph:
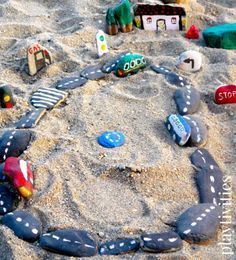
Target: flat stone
[
  {"x": 199, "y": 223},
  {"x": 111, "y": 139},
  {"x": 221, "y": 36},
  {"x": 6, "y": 97},
  {"x": 187, "y": 100},
  {"x": 13, "y": 143},
  {"x": 71, "y": 82},
  {"x": 201, "y": 158},
  {"x": 93, "y": 73},
  {"x": 130, "y": 64},
  {"x": 178, "y": 128},
  {"x": 70, "y": 242},
  {"x": 111, "y": 64},
  {"x": 210, "y": 185},
  {"x": 118, "y": 247},
  {"x": 189, "y": 61},
  {"x": 2, "y": 175},
  {"x": 7, "y": 199},
  {"x": 31, "y": 118},
  {"x": 38, "y": 58},
  {"x": 199, "y": 131},
  {"x": 225, "y": 95},
  {"x": 48, "y": 98},
  {"x": 18, "y": 171},
  {"x": 161, "y": 242},
  {"x": 23, "y": 224}
]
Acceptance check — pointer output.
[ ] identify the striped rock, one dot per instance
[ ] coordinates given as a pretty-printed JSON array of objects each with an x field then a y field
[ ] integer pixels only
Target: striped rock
[
  {"x": 199, "y": 223},
  {"x": 170, "y": 77},
  {"x": 7, "y": 199},
  {"x": 201, "y": 158},
  {"x": 111, "y": 64},
  {"x": 71, "y": 82},
  {"x": 178, "y": 128},
  {"x": 198, "y": 135},
  {"x": 121, "y": 246},
  {"x": 31, "y": 118},
  {"x": 161, "y": 242},
  {"x": 14, "y": 143},
  {"x": 48, "y": 98},
  {"x": 210, "y": 185},
  {"x": 23, "y": 224},
  {"x": 70, "y": 242},
  {"x": 187, "y": 100},
  {"x": 92, "y": 73}
]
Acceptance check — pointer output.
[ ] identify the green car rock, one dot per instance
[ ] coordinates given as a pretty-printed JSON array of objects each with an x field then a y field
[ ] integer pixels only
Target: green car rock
[
  {"x": 221, "y": 36},
  {"x": 131, "y": 63}
]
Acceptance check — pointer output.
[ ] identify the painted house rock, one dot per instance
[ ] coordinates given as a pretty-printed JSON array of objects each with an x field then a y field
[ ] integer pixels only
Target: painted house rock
[{"x": 160, "y": 17}]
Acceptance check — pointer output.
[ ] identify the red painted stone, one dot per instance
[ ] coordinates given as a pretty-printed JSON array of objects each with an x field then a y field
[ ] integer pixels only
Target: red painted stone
[
  {"x": 18, "y": 171},
  {"x": 193, "y": 33},
  {"x": 225, "y": 94}
]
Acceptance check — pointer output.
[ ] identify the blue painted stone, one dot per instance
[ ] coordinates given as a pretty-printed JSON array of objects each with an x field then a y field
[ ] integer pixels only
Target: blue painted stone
[
  {"x": 70, "y": 242},
  {"x": 7, "y": 199},
  {"x": 120, "y": 246},
  {"x": 178, "y": 128},
  {"x": 111, "y": 139},
  {"x": 23, "y": 224},
  {"x": 161, "y": 242},
  {"x": 2, "y": 175}
]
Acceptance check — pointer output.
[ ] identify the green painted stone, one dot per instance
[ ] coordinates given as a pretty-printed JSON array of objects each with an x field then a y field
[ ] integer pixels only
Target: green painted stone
[
  {"x": 122, "y": 13},
  {"x": 221, "y": 36},
  {"x": 131, "y": 63}
]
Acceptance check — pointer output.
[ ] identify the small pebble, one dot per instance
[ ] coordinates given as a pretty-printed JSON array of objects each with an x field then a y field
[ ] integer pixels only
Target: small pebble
[
  {"x": 111, "y": 139},
  {"x": 190, "y": 61}
]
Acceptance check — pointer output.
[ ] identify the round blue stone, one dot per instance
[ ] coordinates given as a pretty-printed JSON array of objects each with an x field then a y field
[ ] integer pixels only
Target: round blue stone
[{"x": 111, "y": 139}]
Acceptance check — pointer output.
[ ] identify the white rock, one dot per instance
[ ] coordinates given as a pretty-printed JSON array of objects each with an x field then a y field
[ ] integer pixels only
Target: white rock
[{"x": 190, "y": 61}]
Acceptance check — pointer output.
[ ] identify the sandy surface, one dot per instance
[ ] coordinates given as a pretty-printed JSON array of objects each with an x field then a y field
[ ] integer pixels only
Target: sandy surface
[{"x": 142, "y": 186}]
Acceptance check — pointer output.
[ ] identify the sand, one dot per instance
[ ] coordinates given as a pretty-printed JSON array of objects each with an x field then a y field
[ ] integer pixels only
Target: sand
[{"x": 144, "y": 185}]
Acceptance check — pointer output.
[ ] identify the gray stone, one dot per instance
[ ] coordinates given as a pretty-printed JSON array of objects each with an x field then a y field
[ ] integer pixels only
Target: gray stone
[
  {"x": 71, "y": 82},
  {"x": 31, "y": 118},
  {"x": 92, "y": 73}
]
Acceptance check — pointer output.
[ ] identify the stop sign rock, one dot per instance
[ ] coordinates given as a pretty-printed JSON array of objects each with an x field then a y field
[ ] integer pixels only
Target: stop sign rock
[{"x": 225, "y": 94}]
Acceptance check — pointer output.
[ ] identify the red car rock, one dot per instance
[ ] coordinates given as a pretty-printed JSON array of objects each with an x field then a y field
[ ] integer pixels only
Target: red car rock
[
  {"x": 193, "y": 33},
  {"x": 18, "y": 171},
  {"x": 225, "y": 94}
]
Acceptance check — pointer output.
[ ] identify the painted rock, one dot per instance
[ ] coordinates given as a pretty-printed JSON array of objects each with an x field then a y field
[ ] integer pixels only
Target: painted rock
[
  {"x": 14, "y": 143},
  {"x": 2, "y": 175},
  {"x": 23, "y": 224},
  {"x": 6, "y": 97},
  {"x": 92, "y": 73},
  {"x": 225, "y": 95},
  {"x": 101, "y": 43},
  {"x": 178, "y": 128},
  {"x": 31, "y": 118},
  {"x": 189, "y": 61},
  {"x": 71, "y": 82},
  {"x": 130, "y": 64},
  {"x": 199, "y": 132},
  {"x": 121, "y": 14},
  {"x": 18, "y": 171},
  {"x": 7, "y": 200},
  {"x": 161, "y": 242},
  {"x": 111, "y": 64},
  {"x": 187, "y": 100},
  {"x": 70, "y": 242},
  {"x": 48, "y": 98},
  {"x": 210, "y": 184},
  {"x": 193, "y": 33},
  {"x": 111, "y": 139},
  {"x": 111, "y": 22},
  {"x": 221, "y": 36},
  {"x": 171, "y": 77},
  {"x": 199, "y": 223},
  {"x": 118, "y": 247},
  {"x": 38, "y": 58},
  {"x": 201, "y": 158}
]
